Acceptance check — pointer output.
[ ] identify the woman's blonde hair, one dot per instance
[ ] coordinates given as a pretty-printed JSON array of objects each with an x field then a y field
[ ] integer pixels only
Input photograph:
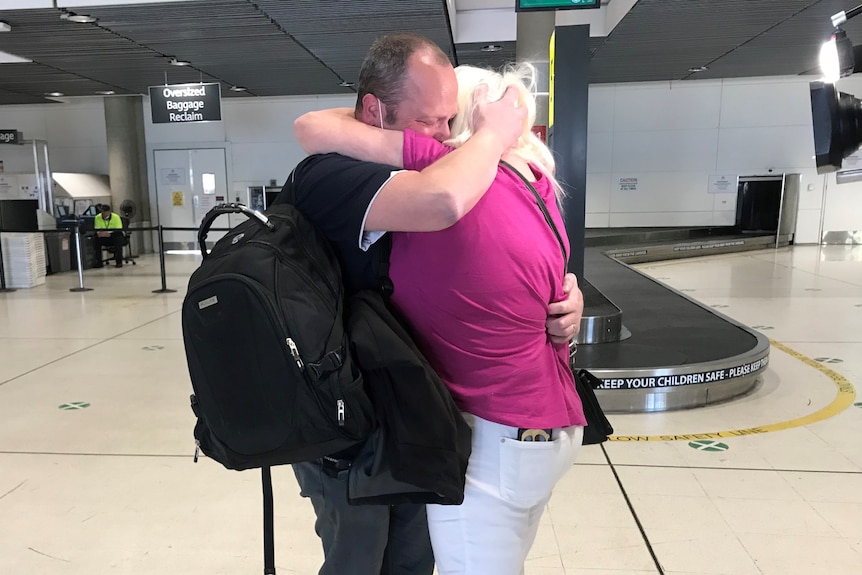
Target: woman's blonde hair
[{"x": 523, "y": 77}]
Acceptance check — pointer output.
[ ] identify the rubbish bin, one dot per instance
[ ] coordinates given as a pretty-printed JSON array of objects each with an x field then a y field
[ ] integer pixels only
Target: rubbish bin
[
  {"x": 58, "y": 247},
  {"x": 87, "y": 246}
]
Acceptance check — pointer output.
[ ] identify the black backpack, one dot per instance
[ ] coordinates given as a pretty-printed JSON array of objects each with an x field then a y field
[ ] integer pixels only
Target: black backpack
[{"x": 273, "y": 378}]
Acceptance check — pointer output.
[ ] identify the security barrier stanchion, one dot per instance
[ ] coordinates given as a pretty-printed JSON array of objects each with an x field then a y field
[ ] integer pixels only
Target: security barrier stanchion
[
  {"x": 162, "y": 263},
  {"x": 80, "y": 287},
  {"x": 3, "y": 288}
]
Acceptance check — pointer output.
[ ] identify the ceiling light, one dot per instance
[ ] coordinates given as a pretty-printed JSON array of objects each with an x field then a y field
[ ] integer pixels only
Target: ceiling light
[
  {"x": 78, "y": 18},
  {"x": 105, "y": 92},
  {"x": 491, "y": 48},
  {"x": 238, "y": 89},
  {"x": 697, "y": 69},
  {"x": 175, "y": 62},
  {"x": 346, "y": 84},
  {"x": 54, "y": 94},
  {"x": 836, "y": 56}
]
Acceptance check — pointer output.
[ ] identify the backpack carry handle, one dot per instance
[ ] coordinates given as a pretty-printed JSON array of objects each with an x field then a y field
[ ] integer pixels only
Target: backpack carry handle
[{"x": 221, "y": 209}]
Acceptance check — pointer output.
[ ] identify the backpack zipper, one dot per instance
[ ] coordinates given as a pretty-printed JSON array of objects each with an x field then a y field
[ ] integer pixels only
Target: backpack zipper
[
  {"x": 294, "y": 351},
  {"x": 340, "y": 411}
]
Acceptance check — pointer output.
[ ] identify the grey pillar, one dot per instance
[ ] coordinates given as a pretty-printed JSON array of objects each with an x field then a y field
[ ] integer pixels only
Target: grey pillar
[
  {"x": 568, "y": 136},
  {"x": 127, "y": 153},
  {"x": 533, "y": 42}
]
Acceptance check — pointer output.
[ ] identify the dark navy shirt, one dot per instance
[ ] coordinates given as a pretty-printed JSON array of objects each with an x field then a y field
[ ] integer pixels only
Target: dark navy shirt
[{"x": 335, "y": 192}]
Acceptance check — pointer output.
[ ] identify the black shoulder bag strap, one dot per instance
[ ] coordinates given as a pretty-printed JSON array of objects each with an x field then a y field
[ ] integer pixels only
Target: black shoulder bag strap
[
  {"x": 598, "y": 427},
  {"x": 545, "y": 212},
  {"x": 380, "y": 262}
]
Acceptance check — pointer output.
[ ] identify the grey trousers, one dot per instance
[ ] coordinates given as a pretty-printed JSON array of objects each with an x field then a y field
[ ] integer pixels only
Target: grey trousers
[{"x": 364, "y": 539}]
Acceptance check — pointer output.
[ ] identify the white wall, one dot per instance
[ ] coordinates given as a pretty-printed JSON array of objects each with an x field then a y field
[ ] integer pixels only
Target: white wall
[
  {"x": 672, "y": 136},
  {"x": 257, "y": 134},
  {"x": 74, "y": 129}
]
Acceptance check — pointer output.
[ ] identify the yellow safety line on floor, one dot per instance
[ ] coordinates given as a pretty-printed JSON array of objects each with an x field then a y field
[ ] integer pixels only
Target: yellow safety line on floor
[{"x": 844, "y": 399}]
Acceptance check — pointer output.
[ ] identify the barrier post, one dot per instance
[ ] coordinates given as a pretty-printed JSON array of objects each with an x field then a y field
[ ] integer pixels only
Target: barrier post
[
  {"x": 80, "y": 287},
  {"x": 162, "y": 264},
  {"x": 3, "y": 288}
]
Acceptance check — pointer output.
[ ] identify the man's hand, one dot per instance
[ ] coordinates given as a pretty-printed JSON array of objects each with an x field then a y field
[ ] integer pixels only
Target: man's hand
[
  {"x": 103, "y": 234},
  {"x": 504, "y": 118},
  {"x": 564, "y": 317}
]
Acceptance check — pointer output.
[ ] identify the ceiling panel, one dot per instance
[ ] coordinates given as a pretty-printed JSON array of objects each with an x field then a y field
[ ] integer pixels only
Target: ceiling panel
[
  {"x": 662, "y": 39},
  {"x": 297, "y": 47},
  {"x": 340, "y": 33},
  {"x": 232, "y": 41}
]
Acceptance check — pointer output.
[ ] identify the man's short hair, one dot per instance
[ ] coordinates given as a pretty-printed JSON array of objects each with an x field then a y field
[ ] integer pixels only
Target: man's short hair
[
  {"x": 105, "y": 208},
  {"x": 385, "y": 69}
]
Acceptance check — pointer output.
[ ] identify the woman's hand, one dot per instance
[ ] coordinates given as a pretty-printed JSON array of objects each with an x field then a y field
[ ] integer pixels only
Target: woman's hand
[
  {"x": 504, "y": 119},
  {"x": 564, "y": 317}
]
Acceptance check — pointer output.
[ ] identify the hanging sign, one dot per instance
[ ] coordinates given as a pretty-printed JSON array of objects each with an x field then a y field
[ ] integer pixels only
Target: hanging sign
[
  {"x": 10, "y": 137},
  {"x": 186, "y": 103}
]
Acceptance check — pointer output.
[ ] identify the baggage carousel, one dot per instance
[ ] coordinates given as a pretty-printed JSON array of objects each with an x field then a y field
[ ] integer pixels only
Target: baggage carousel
[{"x": 654, "y": 348}]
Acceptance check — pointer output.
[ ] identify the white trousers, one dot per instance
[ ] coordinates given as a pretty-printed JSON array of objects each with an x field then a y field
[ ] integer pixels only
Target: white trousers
[{"x": 509, "y": 482}]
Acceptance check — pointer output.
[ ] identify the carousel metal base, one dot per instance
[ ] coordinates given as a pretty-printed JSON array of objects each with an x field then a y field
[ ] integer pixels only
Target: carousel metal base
[{"x": 654, "y": 348}]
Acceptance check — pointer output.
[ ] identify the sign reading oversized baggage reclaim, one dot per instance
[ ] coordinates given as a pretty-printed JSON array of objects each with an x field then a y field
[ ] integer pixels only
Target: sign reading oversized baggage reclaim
[
  {"x": 10, "y": 137},
  {"x": 185, "y": 103}
]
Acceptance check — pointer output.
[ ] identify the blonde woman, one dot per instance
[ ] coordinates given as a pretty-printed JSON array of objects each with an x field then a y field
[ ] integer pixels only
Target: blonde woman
[{"x": 476, "y": 296}]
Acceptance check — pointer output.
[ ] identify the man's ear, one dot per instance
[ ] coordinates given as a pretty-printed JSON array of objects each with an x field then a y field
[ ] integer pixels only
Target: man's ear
[{"x": 370, "y": 110}]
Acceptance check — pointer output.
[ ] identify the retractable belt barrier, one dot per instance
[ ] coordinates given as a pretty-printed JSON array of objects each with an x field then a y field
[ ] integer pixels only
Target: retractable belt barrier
[{"x": 76, "y": 231}]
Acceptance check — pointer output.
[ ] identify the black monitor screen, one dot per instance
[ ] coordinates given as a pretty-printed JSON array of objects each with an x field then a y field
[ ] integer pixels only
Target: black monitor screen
[{"x": 61, "y": 210}]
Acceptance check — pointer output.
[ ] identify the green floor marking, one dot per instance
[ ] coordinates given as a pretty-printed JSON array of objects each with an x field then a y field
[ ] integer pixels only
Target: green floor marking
[
  {"x": 708, "y": 445},
  {"x": 74, "y": 405}
]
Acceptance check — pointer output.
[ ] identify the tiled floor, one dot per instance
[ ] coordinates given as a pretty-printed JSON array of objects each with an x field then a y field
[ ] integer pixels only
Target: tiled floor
[{"x": 111, "y": 488}]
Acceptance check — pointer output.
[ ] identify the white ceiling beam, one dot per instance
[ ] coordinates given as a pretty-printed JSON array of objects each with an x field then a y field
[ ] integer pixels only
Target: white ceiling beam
[
  {"x": 85, "y": 3},
  {"x": 495, "y": 25},
  {"x": 25, "y": 4},
  {"x": 7, "y": 58}
]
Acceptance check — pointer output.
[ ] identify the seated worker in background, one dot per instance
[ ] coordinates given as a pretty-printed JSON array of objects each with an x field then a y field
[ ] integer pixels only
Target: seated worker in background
[{"x": 109, "y": 233}]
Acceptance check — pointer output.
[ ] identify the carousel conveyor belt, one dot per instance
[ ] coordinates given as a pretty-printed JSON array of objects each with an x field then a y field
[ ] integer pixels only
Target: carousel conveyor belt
[{"x": 670, "y": 352}]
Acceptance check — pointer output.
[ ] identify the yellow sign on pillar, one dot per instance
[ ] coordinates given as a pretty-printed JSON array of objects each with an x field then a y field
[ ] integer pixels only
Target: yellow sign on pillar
[
  {"x": 551, "y": 80},
  {"x": 177, "y": 198}
]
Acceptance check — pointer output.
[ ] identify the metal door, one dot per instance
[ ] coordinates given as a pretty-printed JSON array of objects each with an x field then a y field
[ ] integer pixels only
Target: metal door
[{"x": 188, "y": 184}]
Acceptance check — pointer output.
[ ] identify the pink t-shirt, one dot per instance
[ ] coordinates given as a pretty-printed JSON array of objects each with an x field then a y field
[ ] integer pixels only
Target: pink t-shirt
[{"x": 477, "y": 295}]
